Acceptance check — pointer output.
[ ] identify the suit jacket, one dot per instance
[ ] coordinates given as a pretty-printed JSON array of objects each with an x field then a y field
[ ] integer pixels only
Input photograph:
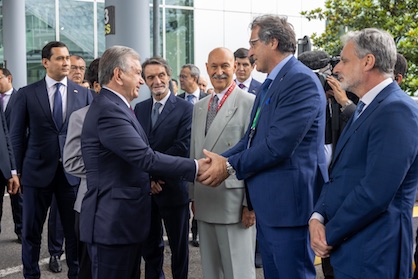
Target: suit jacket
[
  {"x": 284, "y": 166},
  {"x": 10, "y": 104},
  {"x": 368, "y": 201},
  {"x": 170, "y": 135},
  {"x": 37, "y": 142},
  {"x": 7, "y": 161},
  {"x": 72, "y": 158},
  {"x": 201, "y": 96},
  {"x": 223, "y": 204},
  {"x": 118, "y": 159}
]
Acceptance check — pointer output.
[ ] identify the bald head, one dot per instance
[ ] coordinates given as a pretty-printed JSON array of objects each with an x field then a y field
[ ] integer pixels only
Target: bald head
[{"x": 221, "y": 67}]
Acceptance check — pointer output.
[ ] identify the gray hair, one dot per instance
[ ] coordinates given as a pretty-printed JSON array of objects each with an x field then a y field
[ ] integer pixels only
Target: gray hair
[
  {"x": 276, "y": 27},
  {"x": 115, "y": 57},
  {"x": 377, "y": 42},
  {"x": 194, "y": 71}
]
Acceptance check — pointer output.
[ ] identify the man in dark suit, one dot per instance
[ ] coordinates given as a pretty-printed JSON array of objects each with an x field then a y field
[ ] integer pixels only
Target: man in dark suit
[
  {"x": 281, "y": 156},
  {"x": 245, "y": 66},
  {"x": 7, "y": 99},
  {"x": 365, "y": 208},
  {"x": 170, "y": 134},
  {"x": 116, "y": 210},
  {"x": 189, "y": 82},
  {"x": 38, "y": 130}
]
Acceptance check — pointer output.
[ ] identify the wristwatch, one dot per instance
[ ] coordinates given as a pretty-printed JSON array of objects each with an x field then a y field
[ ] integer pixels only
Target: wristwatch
[
  {"x": 230, "y": 169},
  {"x": 349, "y": 102}
]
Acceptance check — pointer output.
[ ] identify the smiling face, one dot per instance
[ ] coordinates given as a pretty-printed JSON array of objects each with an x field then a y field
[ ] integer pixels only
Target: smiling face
[
  {"x": 131, "y": 79},
  {"x": 221, "y": 68},
  {"x": 58, "y": 65},
  {"x": 157, "y": 80}
]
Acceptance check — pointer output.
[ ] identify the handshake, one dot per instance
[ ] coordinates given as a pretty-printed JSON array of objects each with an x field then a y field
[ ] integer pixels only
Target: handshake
[{"x": 212, "y": 169}]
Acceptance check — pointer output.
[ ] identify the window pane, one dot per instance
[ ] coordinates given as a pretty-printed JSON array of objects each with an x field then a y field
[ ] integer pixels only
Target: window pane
[{"x": 179, "y": 38}]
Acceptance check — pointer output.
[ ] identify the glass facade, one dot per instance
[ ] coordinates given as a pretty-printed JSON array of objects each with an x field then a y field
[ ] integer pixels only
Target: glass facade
[{"x": 80, "y": 25}]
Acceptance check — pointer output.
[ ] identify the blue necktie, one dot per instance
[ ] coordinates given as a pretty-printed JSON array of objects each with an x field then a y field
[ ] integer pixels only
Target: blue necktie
[
  {"x": 264, "y": 88},
  {"x": 359, "y": 109},
  {"x": 57, "y": 110},
  {"x": 190, "y": 98},
  {"x": 155, "y": 113}
]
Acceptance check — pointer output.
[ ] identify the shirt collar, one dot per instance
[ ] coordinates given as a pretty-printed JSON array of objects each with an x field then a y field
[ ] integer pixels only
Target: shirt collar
[
  {"x": 196, "y": 93},
  {"x": 163, "y": 100},
  {"x": 51, "y": 82},
  {"x": 372, "y": 93},
  {"x": 278, "y": 67},
  {"x": 119, "y": 95},
  {"x": 246, "y": 82}
]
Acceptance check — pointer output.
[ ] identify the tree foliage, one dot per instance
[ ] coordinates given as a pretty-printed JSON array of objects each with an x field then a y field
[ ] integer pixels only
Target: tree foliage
[{"x": 398, "y": 17}]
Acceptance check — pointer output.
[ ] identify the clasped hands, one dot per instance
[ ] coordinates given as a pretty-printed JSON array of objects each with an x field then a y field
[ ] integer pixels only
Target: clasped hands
[{"x": 212, "y": 169}]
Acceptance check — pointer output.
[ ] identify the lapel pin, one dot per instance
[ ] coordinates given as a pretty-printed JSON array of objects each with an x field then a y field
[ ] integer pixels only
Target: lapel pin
[{"x": 75, "y": 91}]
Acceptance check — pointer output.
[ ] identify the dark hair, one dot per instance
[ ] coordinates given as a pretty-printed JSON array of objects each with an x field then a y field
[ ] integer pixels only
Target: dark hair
[
  {"x": 156, "y": 60},
  {"x": 92, "y": 74},
  {"x": 175, "y": 81},
  {"x": 46, "y": 51},
  {"x": 401, "y": 65},
  {"x": 6, "y": 72},
  {"x": 242, "y": 53},
  {"x": 276, "y": 27}
]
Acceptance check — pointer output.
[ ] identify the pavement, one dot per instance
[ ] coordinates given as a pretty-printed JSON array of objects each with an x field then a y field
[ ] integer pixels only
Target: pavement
[{"x": 11, "y": 265}]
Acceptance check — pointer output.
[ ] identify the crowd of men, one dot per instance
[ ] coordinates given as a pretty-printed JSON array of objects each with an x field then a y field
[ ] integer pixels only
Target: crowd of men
[{"x": 304, "y": 168}]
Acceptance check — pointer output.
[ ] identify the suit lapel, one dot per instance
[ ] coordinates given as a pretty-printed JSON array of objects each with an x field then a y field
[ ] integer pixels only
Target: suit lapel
[
  {"x": 71, "y": 96},
  {"x": 42, "y": 95},
  {"x": 222, "y": 118},
  {"x": 10, "y": 104},
  {"x": 351, "y": 127}
]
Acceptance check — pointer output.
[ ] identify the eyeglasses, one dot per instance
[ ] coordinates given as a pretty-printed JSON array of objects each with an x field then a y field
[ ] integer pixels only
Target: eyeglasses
[
  {"x": 253, "y": 42},
  {"x": 81, "y": 68},
  {"x": 183, "y": 77}
]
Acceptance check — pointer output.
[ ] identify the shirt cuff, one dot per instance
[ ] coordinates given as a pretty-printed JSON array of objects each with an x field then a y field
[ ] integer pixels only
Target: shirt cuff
[
  {"x": 197, "y": 168},
  {"x": 14, "y": 172},
  {"x": 317, "y": 216}
]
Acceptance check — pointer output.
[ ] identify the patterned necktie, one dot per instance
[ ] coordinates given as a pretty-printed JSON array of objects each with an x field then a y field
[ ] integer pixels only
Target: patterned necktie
[
  {"x": 359, "y": 109},
  {"x": 57, "y": 110},
  {"x": 241, "y": 85},
  {"x": 155, "y": 113},
  {"x": 213, "y": 108},
  {"x": 190, "y": 99}
]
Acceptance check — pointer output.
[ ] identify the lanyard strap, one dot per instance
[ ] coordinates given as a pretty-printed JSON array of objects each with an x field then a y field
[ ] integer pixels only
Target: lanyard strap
[{"x": 230, "y": 89}]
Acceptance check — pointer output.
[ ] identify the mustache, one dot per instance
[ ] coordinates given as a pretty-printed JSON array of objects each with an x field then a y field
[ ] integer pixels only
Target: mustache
[{"x": 223, "y": 76}]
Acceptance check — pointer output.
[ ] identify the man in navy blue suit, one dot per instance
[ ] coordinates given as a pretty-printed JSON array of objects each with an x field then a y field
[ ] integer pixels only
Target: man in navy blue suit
[
  {"x": 39, "y": 124},
  {"x": 281, "y": 156},
  {"x": 245, "y": 66},
  {"x": 116, "y": 211},
  {"x": 170, "y": 134},
  {"x": 366, "y": 207},
  {"x": 7, "y": 99}
]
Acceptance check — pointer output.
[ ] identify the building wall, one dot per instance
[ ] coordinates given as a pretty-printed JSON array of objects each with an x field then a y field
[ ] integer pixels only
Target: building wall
[{"x": 225, "y": 23}]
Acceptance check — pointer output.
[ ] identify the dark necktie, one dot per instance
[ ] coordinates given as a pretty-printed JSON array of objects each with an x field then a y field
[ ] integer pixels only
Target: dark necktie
[
  {"x": 241, "y": 85},
  {"x": 2, "y": 101},
  {"x": 190, "y": 98},
  {"x": 57, "y": 110},
  {"x": 265, "y": 87},
  {"x": 213, "y": 108},
  {"x": 155, "y": 113},
  {"x": 359, "y": 109}
]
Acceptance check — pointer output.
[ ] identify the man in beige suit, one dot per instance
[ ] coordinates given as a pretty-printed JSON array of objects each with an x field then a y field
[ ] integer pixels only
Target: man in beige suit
[{"x": 227, "y": 234}]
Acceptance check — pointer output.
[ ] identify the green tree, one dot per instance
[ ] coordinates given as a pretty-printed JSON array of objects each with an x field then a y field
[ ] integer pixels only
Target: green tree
[{"x": 397, "y": 17}]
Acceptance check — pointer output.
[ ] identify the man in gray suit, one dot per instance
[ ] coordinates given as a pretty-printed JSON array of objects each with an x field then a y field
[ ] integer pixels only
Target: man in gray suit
[{"x": 227, "y": 234}]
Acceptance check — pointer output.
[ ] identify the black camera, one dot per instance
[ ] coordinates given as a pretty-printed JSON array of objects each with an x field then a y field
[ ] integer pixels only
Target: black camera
[{"x": 333, "y": 61}]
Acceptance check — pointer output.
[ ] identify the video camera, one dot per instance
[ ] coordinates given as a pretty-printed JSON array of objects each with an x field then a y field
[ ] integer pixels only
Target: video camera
[{"x": 317, "y": 60}]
